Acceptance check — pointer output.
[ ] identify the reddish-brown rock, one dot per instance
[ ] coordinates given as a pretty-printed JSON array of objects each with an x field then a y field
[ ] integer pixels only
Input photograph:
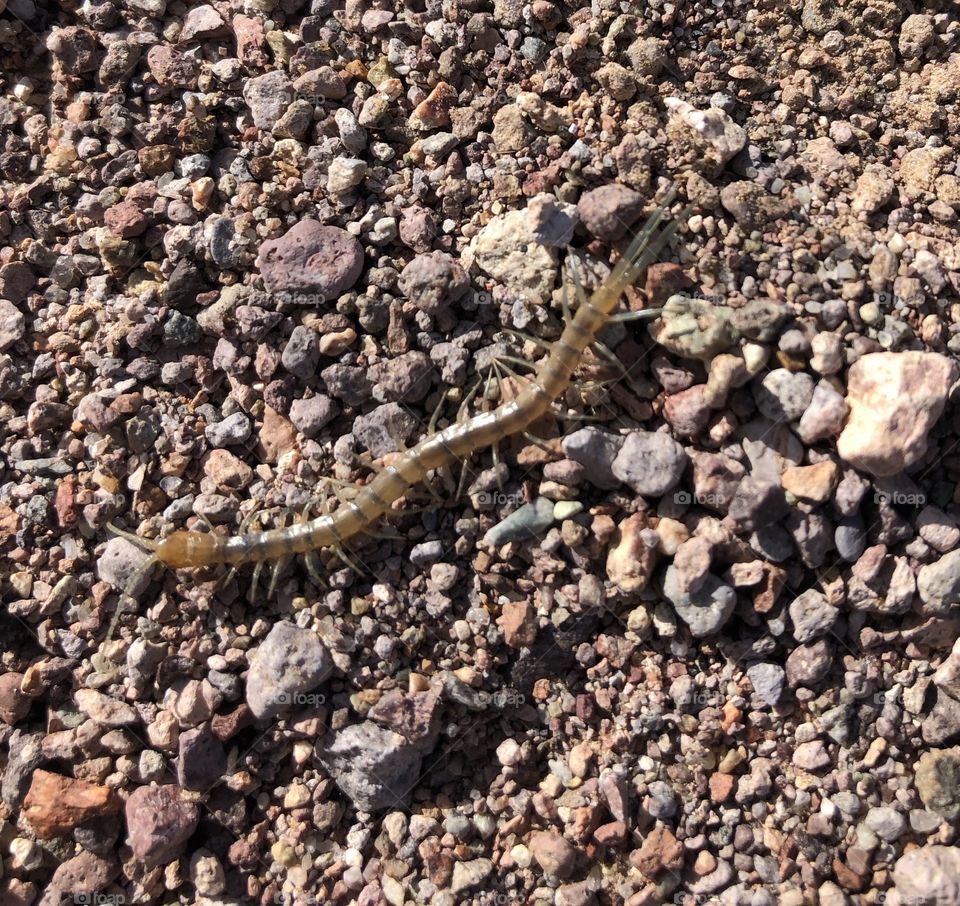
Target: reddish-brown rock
[{"x": 56, "y": 804}]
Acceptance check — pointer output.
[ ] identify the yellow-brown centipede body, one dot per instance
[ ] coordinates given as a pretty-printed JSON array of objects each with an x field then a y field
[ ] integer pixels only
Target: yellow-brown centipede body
[{"x": 189, "y": 549}]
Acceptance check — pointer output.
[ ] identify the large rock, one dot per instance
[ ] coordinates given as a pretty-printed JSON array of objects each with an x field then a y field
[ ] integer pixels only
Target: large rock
[
  {"x": 289, "y": 662},
  {"x": 651, "y": 462},
  {"x": 506, "y": 250},
  {"x": 55, "y": 804},
  {"x": 939, "y": 582},
  {"x": 311, "y": 261},
  {"x": 704, "y": 610},
  {"x": 929, "y": 875},
  {"x": 159, "y": 821},
  {"x": 374, "y": 767},
  {"x": 895, "y": 398},
  {"x": 377, "y": 763}
]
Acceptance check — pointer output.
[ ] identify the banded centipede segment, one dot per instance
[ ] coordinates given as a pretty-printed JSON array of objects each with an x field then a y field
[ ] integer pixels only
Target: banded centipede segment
[{"x": 193, "y": 549}]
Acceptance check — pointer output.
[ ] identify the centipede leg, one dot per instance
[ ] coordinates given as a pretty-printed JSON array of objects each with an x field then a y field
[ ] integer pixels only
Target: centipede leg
[
  {"x": 312, "y": 561},
  {"x": 356, "y": 567},
  {"x": 144, "y": 543},
  {"x": 275, "y": 574},
  {"x": 254, "y": 581},
  {"x": 644, "y": 314},
  {"x": 227, "y": 577}
]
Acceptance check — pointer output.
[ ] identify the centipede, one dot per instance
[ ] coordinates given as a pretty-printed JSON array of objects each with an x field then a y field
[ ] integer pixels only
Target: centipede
[{"x": 192, "y": 549}]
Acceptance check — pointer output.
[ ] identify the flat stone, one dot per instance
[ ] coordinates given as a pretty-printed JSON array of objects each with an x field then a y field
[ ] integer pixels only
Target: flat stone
[{"x": 311, "y": 261}]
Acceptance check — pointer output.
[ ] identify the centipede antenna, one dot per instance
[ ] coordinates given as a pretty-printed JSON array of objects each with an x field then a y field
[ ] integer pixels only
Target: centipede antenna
[
  {"x": 652, "y": 251},
  {"x": 520, "y": 363},
  {"x": 138, "y": 576},
  {"x": 577, "y": 284},
  {"x": 144, "y": 543},
  {"x": 577, "y": 416}
]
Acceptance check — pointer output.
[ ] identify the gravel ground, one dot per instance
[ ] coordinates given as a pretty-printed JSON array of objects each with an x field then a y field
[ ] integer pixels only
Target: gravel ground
[{"x": 700, "y": 647}]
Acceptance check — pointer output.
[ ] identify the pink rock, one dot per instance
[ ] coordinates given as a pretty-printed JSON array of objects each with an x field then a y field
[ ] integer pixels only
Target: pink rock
[
  {"x": 171, "y": 68},
  {"x": 311, "y": 258},
  {"x": 159, "y": 822},
  {"x": 895, "y": 399},
  {"x": 125, "y": 220}
]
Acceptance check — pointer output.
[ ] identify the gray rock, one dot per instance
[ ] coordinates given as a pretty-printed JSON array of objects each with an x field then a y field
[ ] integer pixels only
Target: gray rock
[
  {"x": 661, "y": 803},
  {"x": 79, "y": 879},
  {"x": 349, "y": 383},
  {"x": 268, "y": 97},
  {"x": 929, "y": 875},
  {"x": 850, "y": 538},
  {"x": 938, "y": 529},
  {"x": 751, "y": 204},
  {"x": 552, "y": 222},
  {"x": 529, "y": 521},
  {"x": 811, "y": 756},
  {"x": 650, "y": 462},
  {"x": 376, "y": 768},
  {"x": 939, "y": 583},
  {"x": 290, "y": 661},
  {"x": 937, "y": 778},
  {"x": 812, "y": 615},
  {"x": 808, "y": 664},
  {"x": 385, "y": 429},
  {"x": 942, "y": 724},
  {"x": 705, "y": 610},
  {"x": 12, "y": 324},
  {"x": 784, "y": 395},
  {"x": 886, "y": 822},
  {"x": 120, "y": 562},
  {"x": 813, "y": 535},
  {"x": 758, "y": 502},
  {"x": 609, "y": 211},
  {"x": 234, "y": 429},
  {"x": 310, "y": 415},
  {"x": 301, "y": 355},
  {"x": 24, "y": 754},
  {"x": 596, "y": 451},
  {"x": 470, "y": 874},
  {"x": 201, "y": 760},
  {"x": 825, "y": 415},
  {"x": 433, "y": 281},
  {"x": 767, "y": 681}
]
